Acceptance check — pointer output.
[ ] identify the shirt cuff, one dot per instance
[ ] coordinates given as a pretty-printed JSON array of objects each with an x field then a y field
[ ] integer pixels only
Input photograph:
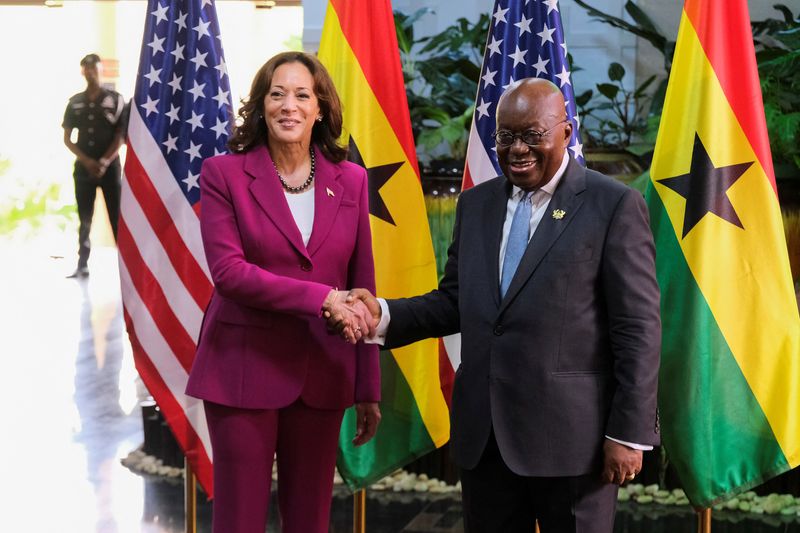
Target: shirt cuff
[
  {"x": 383, "y": 326},
  {"x": 633, "y": 445}
]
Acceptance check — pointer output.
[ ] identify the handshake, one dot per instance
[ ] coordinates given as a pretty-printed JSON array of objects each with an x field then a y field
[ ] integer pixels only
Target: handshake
[{"x": 352, "y": 314}]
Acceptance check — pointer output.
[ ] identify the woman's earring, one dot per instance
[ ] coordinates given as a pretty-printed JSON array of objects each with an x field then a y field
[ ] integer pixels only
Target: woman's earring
[{"x": 319, "y": 118}]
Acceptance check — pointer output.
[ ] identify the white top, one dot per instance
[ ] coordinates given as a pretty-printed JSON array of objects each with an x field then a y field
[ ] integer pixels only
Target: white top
[{"x": 302, "y": 207}]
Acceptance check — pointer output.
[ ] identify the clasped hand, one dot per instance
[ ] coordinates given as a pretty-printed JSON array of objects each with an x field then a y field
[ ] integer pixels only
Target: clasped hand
[
  {"x": 350, "y": 319},
  {"x": 95, "y": 167},
  {"x": 353, "y": 315}
]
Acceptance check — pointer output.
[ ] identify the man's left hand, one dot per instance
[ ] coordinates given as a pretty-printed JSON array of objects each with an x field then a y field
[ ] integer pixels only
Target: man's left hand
[
  {"x": 620, "y": 463},
  {"x": 368, "y": 416}
]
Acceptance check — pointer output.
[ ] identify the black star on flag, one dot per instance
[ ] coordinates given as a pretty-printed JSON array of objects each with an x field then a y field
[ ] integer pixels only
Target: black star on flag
[
  {"x": 705, "y": 188},
  {"x": 377, "y": 177}
]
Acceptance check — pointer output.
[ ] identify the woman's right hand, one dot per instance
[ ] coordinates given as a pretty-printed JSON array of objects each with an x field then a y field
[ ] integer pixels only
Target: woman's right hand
[{"x": 352, "y": 320}]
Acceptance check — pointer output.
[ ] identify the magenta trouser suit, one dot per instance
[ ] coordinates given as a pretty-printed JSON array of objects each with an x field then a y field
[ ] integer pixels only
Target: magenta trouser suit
[{"x": 273, "y": 378}]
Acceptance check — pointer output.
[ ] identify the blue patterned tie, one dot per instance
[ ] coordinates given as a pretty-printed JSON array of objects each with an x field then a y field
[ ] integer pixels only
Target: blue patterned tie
[{"x": 517, "y": 241}]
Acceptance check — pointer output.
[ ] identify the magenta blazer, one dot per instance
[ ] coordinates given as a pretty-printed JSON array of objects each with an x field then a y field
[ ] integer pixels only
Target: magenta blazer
[{"x": 263, "y": 343}]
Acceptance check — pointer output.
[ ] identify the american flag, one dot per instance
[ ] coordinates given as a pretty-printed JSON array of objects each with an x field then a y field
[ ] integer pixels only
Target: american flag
[
  {"x": 526, "y": 39},
  {"x": 180, "y": 114}
]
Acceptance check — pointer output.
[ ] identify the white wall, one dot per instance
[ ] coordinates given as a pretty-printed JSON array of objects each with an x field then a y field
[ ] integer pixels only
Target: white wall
[{"x": 593, "y": 45}]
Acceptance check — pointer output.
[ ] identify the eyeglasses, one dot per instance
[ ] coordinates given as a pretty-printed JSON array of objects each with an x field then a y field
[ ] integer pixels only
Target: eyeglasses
[{"x": 529, "y": 137}]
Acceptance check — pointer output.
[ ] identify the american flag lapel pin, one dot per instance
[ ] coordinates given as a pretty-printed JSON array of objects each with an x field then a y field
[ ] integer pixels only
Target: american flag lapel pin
[{"x": 330, "y": 192}]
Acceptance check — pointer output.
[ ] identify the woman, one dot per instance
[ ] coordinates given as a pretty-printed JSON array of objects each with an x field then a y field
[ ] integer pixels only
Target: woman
[{"x": 285, "y": 221}]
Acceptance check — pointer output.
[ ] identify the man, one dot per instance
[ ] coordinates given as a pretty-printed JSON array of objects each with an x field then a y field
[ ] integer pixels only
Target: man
[
  {"x": 97, "y": 114},
  {"x": 555, "y": 396}
]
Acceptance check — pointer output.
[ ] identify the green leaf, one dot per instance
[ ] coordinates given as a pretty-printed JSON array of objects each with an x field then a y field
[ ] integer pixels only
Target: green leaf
[
  {"x": 608, "y": 90},
  {"x": 616, "y": 71},
  {"x": 640, "y": 92},
  {"x": 640, "y": 149},
  {"x": 640, "y": 183},
  {"x": 430, "y": 139},
  {"x": 640, "y": 17},
  {"x": 435, "y": 113},
  {"x": 656, "y": 39},
  {"x": 582, "y": 99},
  {"x": 452, "y": 132},
  {"x": 788, "y": 17}
]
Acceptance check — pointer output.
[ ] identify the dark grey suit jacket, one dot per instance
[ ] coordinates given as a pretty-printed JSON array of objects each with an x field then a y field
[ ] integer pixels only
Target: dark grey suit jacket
[{"x": 572, "y": 352}]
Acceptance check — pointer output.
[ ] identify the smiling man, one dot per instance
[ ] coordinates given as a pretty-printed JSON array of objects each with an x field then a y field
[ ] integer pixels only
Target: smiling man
[{"x": 550, "y": 279}]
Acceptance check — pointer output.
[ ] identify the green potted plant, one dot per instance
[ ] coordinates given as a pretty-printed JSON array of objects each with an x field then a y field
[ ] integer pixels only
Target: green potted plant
[
  {"x": 619, "y": 125},
  {"x": 777, "y": 42},
  {"x": 441, "y": 73},
  {"x": 644, "y": 27},
  {"x": 791, "y": 227},
  {"x": 778, "y": 55},
  {"x": 617, "y": 129}
]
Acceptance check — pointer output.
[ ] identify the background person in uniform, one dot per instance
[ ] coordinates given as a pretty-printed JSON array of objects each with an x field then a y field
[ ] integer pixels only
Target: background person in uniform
[
  {"x": 97, "y": 114},
  {"x": 550, "y": 279}
]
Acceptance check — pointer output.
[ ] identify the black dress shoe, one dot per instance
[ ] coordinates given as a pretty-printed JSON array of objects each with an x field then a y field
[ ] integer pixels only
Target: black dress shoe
[{"x": 80, "y": 272}]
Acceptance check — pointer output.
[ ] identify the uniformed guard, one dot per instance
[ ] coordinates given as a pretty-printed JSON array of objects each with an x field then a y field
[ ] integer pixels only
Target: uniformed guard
[{"x": 97, "y": 114}]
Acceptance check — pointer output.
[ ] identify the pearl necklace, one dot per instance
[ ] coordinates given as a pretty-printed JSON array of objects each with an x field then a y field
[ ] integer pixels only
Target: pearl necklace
[{"x": 303, "y": 186}]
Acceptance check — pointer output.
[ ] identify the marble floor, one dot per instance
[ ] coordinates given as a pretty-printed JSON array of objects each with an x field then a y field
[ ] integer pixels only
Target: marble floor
[{"x": 69, "y": 404}]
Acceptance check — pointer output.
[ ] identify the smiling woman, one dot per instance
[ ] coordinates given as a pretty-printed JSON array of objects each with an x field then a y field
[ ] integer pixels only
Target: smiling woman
[{"x": 285, "y": 221}]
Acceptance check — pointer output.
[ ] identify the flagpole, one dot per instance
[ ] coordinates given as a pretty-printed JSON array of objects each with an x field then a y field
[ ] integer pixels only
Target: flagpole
[
  {"x": 360, "y": 511},
  {"x": 704, "y": 520},
  {"x": 190, "y": 497}
]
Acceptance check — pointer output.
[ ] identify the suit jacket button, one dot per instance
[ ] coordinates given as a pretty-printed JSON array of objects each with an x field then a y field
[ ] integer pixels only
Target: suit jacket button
[
  {"x": 498, "y": 329},
  {"x": 305, "y": 266}
]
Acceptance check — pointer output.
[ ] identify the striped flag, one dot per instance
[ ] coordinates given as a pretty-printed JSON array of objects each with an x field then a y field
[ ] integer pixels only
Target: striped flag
[
  {"x": 180, "y": 114},
  {"x": 359, "y": 49},
  {"x": 526, "y": 40},
  {"x": 729, "y": 395}
]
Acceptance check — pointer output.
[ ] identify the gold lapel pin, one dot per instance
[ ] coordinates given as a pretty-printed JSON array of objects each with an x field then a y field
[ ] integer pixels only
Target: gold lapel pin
[
  {"x": 558, "y": 214},
  {"x": 330, "y": 192}
]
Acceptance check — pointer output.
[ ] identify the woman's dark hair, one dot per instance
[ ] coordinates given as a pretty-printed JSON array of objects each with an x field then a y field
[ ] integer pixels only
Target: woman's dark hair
[{"x": 252, "y": 130}]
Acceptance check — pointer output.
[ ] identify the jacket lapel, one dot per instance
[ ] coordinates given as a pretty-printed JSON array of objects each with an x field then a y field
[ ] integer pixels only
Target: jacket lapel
[
  {"x": 567, "y": 199},
  {"x": 268, "y": 193},
  {"x": 328, "y": 194},
  {"x": 493, "y": 220}
]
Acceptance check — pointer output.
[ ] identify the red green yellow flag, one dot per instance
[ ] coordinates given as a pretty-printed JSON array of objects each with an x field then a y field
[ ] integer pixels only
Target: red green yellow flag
[
  {"x": 729, "y": 393},
  {"x": 359, "y": 49}
]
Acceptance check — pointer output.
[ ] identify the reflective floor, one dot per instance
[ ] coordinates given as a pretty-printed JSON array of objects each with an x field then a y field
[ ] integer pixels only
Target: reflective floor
[{"x": 69, "y": 408}]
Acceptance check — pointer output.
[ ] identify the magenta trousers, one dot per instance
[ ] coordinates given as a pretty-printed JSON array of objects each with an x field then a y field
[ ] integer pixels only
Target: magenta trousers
[{"x": 244, "y": 442}]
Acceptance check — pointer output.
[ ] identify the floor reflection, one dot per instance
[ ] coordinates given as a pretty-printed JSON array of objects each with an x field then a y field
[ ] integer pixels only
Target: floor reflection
[
  {"x": 69, "y": 397},
  {"x": 103, "y": 423}
]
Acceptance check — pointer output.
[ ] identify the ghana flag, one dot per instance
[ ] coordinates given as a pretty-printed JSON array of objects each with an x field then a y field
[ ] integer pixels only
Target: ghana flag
[
  {"x": 359, "y": 48},
  {"x": 729, "y": 392}
]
